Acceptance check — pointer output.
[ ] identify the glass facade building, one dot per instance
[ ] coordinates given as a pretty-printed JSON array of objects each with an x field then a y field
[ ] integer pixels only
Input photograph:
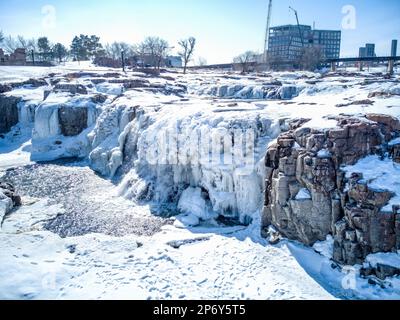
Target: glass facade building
[
  {"x": 367, "y": 51},
  {"x": 287, "y": 42}
]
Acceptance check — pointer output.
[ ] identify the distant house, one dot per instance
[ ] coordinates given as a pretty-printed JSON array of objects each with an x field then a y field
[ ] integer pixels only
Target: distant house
[
  {"x": 169, "y": 61},
  {"x": 17, "y": 58},
  {"x": 173, "y": 62}
]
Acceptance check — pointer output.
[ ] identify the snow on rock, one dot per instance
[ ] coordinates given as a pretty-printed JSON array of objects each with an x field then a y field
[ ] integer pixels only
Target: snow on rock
[
  {"x": 379, "y": 174},
  {"x": 325, "y": 248},
  {"x": 394, "y": 142},
  {"x": 303, "y": 194},
  {"x": 323, "y": 153},
  {"x": 31, "y": 217},
  {"x": 391, "y": 259},
  {"x": 110, "y": 88},
  {"x": 8, "y": 200},
  {"x": 6, "y": 205}
]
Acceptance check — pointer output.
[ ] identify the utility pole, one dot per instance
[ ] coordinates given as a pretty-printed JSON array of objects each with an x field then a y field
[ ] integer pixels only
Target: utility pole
[
  {"x": 123, "y": 60},
  {"x": 298, "y": 26},
  {"x": 267, "y": 31}
]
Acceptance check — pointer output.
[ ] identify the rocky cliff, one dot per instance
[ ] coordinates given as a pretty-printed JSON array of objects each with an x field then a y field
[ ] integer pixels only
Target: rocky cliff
[{"x": 309, "y": 196}]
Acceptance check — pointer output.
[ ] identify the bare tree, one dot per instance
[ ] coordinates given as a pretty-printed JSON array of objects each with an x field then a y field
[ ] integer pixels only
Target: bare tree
[
  {"x": 157, "y": 49},
  {"x": 9, "y": 44},
  {"x": 114, "y": 49},
  {"x": 311, "y": 58},
  {"x": 27, "y": 44},
  {"x": 186, "y": 54},
  {"x": 245, "y": 60},
  {"x": 142, "y": 51},
  {"x": 1, "y": 36},
  {"x": 22, "y": 42}
]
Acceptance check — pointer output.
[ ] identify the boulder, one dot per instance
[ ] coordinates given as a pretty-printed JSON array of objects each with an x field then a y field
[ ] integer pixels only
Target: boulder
[
  {"x": 33, "y": 82},
  {"x": 5, "y": 88},
  {"x": 8, "y": 199},
  {"x": 72, "y": 88}
]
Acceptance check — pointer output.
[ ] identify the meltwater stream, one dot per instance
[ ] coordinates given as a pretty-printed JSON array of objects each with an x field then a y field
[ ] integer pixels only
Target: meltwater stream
[{"x": 91, "y": 203}]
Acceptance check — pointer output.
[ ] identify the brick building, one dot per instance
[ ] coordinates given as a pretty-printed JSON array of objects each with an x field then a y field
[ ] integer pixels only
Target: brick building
[{"x": 17, "y": 58}]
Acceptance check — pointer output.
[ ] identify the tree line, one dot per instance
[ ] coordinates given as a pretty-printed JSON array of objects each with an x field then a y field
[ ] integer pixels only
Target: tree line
[{"x": 152, "y": 51}]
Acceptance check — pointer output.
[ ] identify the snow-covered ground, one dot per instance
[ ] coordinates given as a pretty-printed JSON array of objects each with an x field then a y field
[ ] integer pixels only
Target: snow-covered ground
[
  {"x": 16, "y": 74},
  {"x": 206, "y": 261},
  {"x": 195, "y": 263}
]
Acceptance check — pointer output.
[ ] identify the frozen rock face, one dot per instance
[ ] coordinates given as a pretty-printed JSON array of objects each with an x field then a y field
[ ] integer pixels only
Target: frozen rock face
[
  {"x": 61, "y": 129},
  {"x": 305, "y": 159},
  {"x": 108, "y": 137},
  {"x": 8, "y": 113},
  {"x": 72, "y": 120},
  {"x": 365, "y": 229}
]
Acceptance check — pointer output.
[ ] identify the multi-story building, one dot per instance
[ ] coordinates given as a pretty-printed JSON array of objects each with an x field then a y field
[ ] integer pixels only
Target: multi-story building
[
  {"x": 367, "y": 51},
  {"x": 287, "y": 42},
  {"x": 362, "y": 52},
  {"x": 370, "y": 49}
]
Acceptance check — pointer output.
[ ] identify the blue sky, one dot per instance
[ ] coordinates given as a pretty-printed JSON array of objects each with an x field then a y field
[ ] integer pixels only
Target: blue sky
[{"x": 223, "y": 28}]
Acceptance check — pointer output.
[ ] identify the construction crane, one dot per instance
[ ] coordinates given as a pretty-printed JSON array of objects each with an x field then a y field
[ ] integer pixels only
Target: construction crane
[
  {"x": 267, "y": 31},
  {"x": 298, "y": 26}
]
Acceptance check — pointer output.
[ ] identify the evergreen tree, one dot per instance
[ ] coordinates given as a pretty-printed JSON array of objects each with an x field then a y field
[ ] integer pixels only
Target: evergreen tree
[{"x": 59, "y": 51}]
